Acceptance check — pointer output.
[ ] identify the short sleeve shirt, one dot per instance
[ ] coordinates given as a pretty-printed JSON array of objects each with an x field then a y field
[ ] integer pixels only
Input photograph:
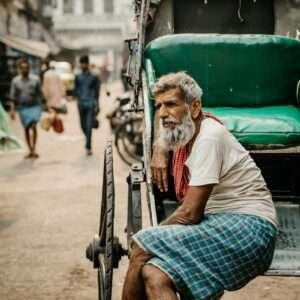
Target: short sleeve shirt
[
  {"x": 218, "y": 158},
  {"x": 25, "y": 91}
]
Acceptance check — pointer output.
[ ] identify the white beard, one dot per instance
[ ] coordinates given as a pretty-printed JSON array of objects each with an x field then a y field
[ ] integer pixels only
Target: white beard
[{"x": 180, "y": 135}]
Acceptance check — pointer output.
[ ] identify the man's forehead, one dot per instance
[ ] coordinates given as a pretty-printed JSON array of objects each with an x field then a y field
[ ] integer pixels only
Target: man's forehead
[{"x": 170, "y": 95}]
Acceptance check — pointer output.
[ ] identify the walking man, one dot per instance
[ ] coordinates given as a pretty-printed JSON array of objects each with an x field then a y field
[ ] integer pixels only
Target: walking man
[
  {"x": 25, "y": 93},
  {"x": 87, "y": 88}
]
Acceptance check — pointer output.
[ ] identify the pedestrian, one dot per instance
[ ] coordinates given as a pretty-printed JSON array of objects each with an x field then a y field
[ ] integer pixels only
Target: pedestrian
[
  {"x": 87, "y": 89},
  {"x": 53, "y": 89},
  {"x": 223, "y": 233},
  {"x": 44, "y": 68},
  {"x": 25, "y": 94}
]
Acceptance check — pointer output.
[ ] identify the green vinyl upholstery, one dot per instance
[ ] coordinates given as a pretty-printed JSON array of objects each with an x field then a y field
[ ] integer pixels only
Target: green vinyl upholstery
[
  {"x": 249, "y": 81},
  {"x": 262, "y": 127}
]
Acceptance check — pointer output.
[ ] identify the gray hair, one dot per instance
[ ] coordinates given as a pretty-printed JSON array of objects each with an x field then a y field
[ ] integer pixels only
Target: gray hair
[{"x": 188, "y": 86}]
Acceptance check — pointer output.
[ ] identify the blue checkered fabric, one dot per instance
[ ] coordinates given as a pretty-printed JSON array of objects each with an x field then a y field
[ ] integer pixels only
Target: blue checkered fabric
[{"x": 224, "y": 252}]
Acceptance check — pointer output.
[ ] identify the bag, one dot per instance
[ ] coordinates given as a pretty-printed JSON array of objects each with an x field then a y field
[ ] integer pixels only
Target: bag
[
  {"x": 96, "y": 123},
  {"x": 46, "y": 123},
  {"x": 58, "y": 125},
  {"x": 47, "y": 120}
]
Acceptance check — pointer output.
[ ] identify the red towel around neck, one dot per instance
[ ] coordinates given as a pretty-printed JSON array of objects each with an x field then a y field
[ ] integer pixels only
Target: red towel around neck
[{"x": 180, "y": 170}]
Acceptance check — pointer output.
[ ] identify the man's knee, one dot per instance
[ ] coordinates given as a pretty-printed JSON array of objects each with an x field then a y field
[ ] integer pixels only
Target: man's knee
[
  {"x": 138, "y": 255},
  {"x": 154, "y": 278}
]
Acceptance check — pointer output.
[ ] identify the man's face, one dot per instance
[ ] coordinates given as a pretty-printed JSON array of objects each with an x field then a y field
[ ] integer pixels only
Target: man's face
[
  {"x": 171, "y": 105},
  {"x": 176, "y": 125},
  {"x": 84, "y": 66},
  {"x": 24, "y": 69}
]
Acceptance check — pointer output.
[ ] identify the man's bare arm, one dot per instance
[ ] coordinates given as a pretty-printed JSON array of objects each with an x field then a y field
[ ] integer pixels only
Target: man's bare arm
[
  {"x": 12, "y": 96},
  {"x": 192, "y": 209},
  {"x": 159, "y": 161}
]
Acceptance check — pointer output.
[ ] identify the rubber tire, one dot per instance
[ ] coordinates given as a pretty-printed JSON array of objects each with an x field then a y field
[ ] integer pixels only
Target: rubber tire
[
  {"x": 126, "y": 155},
  {"x": 106, "y": 227}
]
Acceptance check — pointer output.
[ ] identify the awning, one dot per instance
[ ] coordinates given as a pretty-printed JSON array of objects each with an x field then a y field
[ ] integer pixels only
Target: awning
[{"x": 30, "y": 47}]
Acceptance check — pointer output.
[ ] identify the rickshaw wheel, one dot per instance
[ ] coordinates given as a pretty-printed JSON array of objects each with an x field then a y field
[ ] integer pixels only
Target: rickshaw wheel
[
  {"x": 106, "y": 227},
  {"x": 100, "y": 250}
]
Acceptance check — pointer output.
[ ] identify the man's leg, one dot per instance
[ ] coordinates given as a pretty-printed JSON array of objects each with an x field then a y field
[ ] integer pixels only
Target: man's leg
[
  {"x": 84, "y": 122},
  {"x": 158, "y": 285},
  {"x": 28, "y": 142},
  {"x": 90, "y": 114},
  {"x": 134, "y": 286},
  {"x": 82, "y": 118},
  {"x": 34, "y": 139}
]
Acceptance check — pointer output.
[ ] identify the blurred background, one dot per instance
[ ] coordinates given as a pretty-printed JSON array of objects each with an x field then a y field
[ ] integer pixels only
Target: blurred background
[
  {"x": 63, "y": 30},
  {"x": 49, "y": 207}
]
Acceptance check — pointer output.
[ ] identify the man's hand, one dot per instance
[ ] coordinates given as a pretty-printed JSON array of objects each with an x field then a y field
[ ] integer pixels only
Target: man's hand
[
  {"x": 159, "y": 168},
  {"x": 192, "y": 209},
  {"x": 12, "y": 114},
  {"x": 12, "y": 111}
]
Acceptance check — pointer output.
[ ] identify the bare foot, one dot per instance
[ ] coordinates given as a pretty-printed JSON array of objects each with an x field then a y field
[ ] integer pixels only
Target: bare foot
[
  {"x": 35, "y": 155},
  {"x": 29, "y": 155}
]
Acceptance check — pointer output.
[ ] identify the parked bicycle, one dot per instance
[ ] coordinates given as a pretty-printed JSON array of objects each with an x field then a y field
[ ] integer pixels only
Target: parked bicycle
[{"x": 128, "y": 130}]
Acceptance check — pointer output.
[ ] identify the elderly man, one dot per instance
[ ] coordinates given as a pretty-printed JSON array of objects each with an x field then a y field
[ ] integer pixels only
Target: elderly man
[{"x": 223, "y": 233}]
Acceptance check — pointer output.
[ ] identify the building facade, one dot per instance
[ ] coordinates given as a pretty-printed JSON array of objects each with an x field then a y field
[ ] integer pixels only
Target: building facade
[
  {"x": 99, "y": 26},
  {"x": 23, "y": 33}
]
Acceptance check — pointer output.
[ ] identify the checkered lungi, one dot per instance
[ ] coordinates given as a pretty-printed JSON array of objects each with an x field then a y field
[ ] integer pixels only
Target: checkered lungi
[{"x": 224, "y": 252}]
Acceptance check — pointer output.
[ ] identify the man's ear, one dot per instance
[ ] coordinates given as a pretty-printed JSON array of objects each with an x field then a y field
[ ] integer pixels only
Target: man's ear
[{"x": 196, "y": 107}]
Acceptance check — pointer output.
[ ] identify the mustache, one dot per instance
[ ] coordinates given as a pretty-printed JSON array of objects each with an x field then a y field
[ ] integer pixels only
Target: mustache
[
  {"x": 180, "y": 135},
  {"x": 170, "y": 120}
]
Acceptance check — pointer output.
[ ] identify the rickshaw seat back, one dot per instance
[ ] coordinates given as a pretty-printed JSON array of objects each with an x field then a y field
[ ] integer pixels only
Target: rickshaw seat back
[{"x": 246, "y": 80}]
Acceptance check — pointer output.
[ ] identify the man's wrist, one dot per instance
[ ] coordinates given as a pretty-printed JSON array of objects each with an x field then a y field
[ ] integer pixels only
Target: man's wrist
[{"x": 160, "y": 146}]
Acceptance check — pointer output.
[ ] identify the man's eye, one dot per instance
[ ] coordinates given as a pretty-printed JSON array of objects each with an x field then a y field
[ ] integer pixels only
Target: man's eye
[{"x": 171, "y": 104}]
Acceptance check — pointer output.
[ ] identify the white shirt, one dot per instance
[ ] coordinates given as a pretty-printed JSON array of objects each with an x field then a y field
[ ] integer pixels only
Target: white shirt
[{"x": 218, "y": 158}]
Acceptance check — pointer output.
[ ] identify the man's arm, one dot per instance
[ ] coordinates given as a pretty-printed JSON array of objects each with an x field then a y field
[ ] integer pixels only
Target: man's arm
[
  {"x": 97, "y": 84},
  {"x": 76, "y": 87},
  {"x": 192, "y": 209},
  {"x": 159, "y": 161},
  {"x": 39, "y": 93},
  {"x": 12, "y": 97}
]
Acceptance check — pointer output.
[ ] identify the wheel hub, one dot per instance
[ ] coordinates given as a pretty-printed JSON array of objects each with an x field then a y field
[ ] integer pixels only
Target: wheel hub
[
  {"x": 93, "y": 250},
  {"x": 118, "y": 252}
]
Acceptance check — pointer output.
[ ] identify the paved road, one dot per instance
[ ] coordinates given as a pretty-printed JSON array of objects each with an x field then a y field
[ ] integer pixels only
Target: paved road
[{"x": 49, "y": 211}]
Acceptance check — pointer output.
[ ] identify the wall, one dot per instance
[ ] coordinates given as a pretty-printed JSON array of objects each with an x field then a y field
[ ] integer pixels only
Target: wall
[
  {"x": 101, "y": 34},
  {"x": 20, "y": 24}
]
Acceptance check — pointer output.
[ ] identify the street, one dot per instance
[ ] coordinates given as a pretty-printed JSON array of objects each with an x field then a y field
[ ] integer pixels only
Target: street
[{"x": 49, "y": 212}]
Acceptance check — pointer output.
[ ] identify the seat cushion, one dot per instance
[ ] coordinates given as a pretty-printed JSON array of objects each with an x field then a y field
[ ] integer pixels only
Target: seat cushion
[
  {"x": 233, "y": 70},
  {"x": 262, "y": 127}
]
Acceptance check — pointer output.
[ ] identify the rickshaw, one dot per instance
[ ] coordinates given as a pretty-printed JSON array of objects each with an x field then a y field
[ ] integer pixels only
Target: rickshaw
[{"x": 251, "y": 81}]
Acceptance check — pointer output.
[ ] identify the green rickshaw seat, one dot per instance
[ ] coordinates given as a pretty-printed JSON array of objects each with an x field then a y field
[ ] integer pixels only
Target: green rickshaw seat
[
  {"x": 262, "y": 127},
  {"x": 249, "y": 81}
]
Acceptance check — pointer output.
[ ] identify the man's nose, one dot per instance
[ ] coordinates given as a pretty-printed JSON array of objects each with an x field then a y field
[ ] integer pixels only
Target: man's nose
[{"x": 163, "y": 112}]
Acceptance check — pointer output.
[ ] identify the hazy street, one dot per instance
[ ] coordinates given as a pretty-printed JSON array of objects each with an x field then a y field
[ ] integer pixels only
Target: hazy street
[{"x": 49, "y": 212}]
